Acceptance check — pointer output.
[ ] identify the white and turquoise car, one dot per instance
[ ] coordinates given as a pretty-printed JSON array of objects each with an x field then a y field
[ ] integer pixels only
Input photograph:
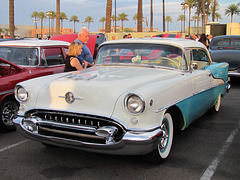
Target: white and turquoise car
[{"x": 129, "y": 103}]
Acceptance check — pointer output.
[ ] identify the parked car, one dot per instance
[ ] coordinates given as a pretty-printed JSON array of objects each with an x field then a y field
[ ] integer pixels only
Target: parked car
[
  {"x": 127, "y": 106},
  {"x": 94, "y": 41},
  {"x": 227, "y": 49},
  {"x": 21, "y": 60},
  {"x": 166, "y": 35}
]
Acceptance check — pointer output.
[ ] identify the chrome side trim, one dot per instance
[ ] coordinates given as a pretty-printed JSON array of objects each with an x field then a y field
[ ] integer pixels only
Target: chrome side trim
[{"x": 6, "y": 92}]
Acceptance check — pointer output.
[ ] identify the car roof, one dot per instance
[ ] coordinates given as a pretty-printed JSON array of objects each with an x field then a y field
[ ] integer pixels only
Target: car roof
[
  {"x": 179, "y": 42},
  {"x": 226, "y": 36},
  {"x": 34, "y": 43}
]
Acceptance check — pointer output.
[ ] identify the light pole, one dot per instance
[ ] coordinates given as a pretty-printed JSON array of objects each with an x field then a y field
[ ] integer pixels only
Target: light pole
[
  {"x": 49, "y": 13},
  {"x": 184, "y": 5}
]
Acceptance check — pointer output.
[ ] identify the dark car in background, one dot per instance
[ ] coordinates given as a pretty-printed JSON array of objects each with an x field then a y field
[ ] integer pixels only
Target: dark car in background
[
  {"x": 227, "y": 49},
  {"x": 22, "y": 60}
]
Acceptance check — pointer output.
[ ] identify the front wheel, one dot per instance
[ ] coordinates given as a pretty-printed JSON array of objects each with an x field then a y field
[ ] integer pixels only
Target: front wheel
[
  {"x": 8, "y": 111},
  {"x": 164, "y": 144}
]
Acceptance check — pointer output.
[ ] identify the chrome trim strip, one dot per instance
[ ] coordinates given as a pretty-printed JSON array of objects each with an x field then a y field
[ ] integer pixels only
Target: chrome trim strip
[
  {"x": 6, "y": 92},
  {"x": 79, "y": 127},
  {"x": 71, "y": 133}
]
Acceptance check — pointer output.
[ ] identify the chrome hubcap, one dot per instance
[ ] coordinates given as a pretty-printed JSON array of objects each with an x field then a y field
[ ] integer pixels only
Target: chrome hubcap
[{"x": 164, "y": 139}]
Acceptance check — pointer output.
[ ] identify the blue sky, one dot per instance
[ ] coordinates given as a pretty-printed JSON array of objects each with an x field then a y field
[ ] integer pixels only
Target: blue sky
[{"x": 96, "y": 9}]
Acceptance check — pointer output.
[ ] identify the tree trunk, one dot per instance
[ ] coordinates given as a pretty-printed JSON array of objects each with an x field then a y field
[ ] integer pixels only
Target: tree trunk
[
  {"x": 198, "y": 18},
  {"x": 139, "y": 16},
  {"x": 203, "y": 21},
  {"x": 214, "y": 9},
  {"x": 163, "y": 15},
  {"x": 41, "y": 27},
  {"x": 151, "y": 20},
  {"x": 189, "y": 20},
  {"x": 108, "y": 16},
  {"x": 58, "y": 17},
  {"x": 11, "y": 18}
]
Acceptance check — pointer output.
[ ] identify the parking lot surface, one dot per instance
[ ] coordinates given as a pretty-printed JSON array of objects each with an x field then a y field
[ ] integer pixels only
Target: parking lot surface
[{"x": 208, "y": 149}]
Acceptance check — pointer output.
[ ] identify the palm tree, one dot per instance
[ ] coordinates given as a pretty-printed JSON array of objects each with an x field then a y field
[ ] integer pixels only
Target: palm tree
[
  {"x": 1, "y": 30},
  {"x": 53, "y": 16},
  {"x": 181, "y": 18},
  {"x": 62, "y": 17},
  {"x": 11, "y": 18},
  {"x": 75, "y": 19},
  {"x": 197, "y": 5},
  {"x": 163, "y": 15},
  {"x": 41, "y": 16},
  {"x": 231, "y": 10},
  {"x": 122, "y": 17},
  {"x": 168, "y": 19},
  {"x": 57, "y": 17},
  {"x": 88, "y": 20},
  {"x": 151, "y": 16},
  {"x": 214, "y": 10},
  {"x": 6, "y": 30},
  {"x": 135, "y": 19},
  {"x": 139, "y": 19},
  {"x": 35, "y": 16},
  {"x": 203, "y": 21},
  {"x": 108, "y": 16},
  {"x": 112, "y": 19},
  {"x": 218, "y": 16},
  {"x": 102, "y": 20},
  {"x": 194, "y": 19},
  {"x": 190, "y": 4}
]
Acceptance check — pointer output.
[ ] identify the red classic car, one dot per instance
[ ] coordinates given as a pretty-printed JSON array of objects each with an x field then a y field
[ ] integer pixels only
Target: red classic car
[
  {"x": 94, "y": 40},
  {"x": 22, "y": 60}
]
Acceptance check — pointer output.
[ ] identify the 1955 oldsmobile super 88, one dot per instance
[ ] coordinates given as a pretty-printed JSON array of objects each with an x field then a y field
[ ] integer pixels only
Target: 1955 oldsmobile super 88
[{"x": 129, "y": 103}]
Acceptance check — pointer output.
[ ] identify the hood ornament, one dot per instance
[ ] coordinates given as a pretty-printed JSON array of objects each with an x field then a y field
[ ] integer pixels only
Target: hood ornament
[{"x": 70, "y": 98}]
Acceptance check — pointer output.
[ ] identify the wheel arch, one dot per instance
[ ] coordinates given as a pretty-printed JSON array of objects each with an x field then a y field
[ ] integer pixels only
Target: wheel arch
[
  {"x": 178, "y": 120},
  {"x": 7, "y": 98}
]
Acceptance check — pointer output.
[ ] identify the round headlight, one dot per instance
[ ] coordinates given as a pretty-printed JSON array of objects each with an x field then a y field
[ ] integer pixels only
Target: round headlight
[
  {"x": 21, "y": 94},
  {"x": 135, "y": 104}
]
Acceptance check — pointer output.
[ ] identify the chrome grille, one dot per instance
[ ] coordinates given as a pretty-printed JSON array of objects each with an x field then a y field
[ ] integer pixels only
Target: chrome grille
[{"x": 68, "y": 125}]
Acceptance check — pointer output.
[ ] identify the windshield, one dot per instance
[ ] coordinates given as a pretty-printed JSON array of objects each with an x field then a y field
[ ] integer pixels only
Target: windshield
[
  {"x": 20, "y": 56},
  {"x": 148, "y": 54}
]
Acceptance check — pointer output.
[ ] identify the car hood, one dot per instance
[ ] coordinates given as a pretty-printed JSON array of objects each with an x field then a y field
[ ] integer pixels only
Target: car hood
[{"x": 97, "y": 89}]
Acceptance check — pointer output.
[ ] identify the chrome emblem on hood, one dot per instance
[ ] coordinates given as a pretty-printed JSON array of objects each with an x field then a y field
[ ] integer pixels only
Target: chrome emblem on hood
[{"x": 69, "y": 97}]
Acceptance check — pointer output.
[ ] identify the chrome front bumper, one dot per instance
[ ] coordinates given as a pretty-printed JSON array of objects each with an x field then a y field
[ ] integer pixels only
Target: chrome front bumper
[{"x": 132, "y": 142}]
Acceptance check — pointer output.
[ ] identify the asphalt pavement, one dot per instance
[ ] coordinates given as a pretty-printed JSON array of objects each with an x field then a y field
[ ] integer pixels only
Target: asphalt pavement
[{"x": 208, "y": 149}]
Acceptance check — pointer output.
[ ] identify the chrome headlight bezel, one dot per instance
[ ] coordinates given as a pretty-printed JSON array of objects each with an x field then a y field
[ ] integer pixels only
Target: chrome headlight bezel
[
  {"x": 21, "y": 94},
  {"x": 134, "y": 104}
]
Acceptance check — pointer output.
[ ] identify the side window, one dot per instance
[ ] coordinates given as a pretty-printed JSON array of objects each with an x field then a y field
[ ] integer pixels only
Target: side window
[
  {"x": 199, "y": 59},
  {"x": 52, "y": 56}
]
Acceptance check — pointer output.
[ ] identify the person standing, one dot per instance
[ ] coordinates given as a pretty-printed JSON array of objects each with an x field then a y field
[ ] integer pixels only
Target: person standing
[
  {"x": 203, "y": 39},
  {"x": 72, "y": 62},
  {"x": 83, "y": 37}
]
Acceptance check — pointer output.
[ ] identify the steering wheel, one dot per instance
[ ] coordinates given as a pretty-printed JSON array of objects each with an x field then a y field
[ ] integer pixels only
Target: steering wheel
[{"x": 170, "y": 62}]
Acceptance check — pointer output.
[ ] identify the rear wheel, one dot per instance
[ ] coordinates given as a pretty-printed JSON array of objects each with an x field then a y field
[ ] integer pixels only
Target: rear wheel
[
  {"x": 164, "y": 145},
  {"x": 8, "y": 111},
  {"x": 217, "y": 104}
]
